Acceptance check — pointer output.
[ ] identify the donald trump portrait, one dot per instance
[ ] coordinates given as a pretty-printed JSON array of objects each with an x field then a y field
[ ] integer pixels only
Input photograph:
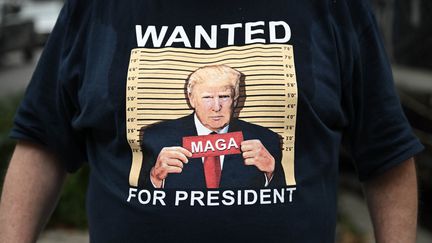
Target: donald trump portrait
[{"x": 213, "y": 94}]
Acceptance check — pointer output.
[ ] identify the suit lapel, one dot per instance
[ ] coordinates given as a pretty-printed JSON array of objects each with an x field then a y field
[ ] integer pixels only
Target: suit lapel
[
  {"x": 188, "y": 126},
  {"x": 195, "y": 165},
  {"x": 192, "y": 175}
]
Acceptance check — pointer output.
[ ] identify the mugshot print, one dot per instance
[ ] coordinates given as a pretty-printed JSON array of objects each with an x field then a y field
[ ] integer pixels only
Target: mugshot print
[{"x": 223, "y": 125}]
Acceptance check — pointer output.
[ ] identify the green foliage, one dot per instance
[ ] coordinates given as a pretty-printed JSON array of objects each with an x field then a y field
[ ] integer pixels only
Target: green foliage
[
  {"x": 8, "y": 107},
  {"x": 70, "y": 211},
  {"x": 347, "y": 231}
]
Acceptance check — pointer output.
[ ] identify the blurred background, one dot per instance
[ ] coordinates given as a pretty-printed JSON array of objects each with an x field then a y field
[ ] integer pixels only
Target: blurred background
[{"x": 406, "y": 27}]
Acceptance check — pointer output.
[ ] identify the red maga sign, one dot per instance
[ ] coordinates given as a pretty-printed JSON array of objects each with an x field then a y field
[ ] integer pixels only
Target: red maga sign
[{"x": 213, "y": 145}]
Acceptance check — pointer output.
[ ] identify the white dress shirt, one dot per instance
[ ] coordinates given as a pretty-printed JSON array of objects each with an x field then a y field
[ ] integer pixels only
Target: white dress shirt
[{"x": 202, "y": 130}]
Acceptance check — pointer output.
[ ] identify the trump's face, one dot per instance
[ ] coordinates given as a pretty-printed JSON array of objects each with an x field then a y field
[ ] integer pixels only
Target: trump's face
[{"x": 213, "y": 103}]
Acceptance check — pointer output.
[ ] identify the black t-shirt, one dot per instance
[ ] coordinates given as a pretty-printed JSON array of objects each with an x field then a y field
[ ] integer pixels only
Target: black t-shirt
[{"x": 315, "y": 73}]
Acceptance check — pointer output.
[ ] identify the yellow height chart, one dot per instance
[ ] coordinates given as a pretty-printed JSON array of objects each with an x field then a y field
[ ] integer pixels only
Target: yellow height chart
[{"x": 155, "y": 91}]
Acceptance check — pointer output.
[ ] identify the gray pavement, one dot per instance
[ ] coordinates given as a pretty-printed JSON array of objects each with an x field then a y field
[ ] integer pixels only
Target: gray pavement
[{"x": 64, "y": 236}]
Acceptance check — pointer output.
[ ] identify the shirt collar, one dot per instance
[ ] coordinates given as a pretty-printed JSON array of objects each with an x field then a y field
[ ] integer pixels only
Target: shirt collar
[{"x": 202, "y": 130}]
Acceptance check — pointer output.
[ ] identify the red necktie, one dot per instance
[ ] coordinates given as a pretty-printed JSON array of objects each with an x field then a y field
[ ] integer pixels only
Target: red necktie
[{"x": 212, "y": 171}]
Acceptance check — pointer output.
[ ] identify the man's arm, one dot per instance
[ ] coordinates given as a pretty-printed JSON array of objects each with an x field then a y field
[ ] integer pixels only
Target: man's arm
[
  {"x": 31, "y": 190},
  {"x": 392, "y": 201}
]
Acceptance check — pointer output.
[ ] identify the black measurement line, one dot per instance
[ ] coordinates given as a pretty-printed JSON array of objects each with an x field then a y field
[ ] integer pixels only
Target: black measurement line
[
  {"x": 179, "y": 65},
  {"x": 182, "y": 81},
  {"x": 231, "y": 64},
  {"x": 146, "y": 119},
  {"x": 261, "y": 111},
  {"x": 264, "y": 70},
  {"x": 148, "y": 124},
  {"x": 266, "y": 79},
  {"x": 159, "y": 88},
  {"x": 261, "y": 101},
  {"x": 182, "y": 92},
  {"x": 261, "y": 65},
  {"x": 263, "y": 117},
  {"x": 263, "y": 95},
  {"x": 158, "y": 114},
  {"x": 163, "y": 103},
  {"x": 161, "y": 78},
  {"x": 257, "y": 106},
  {"x": 213, "y": 61},
  {"x": 251, "y": 61},
  {"x": 264, "y": 84},
  {"x": 166, "y": 69},
  {"x": 153, "y": 73},
  {"x": 280, "y": 122},
  {"x": 153, "y": 98},
  {"x": 243, "y": 88},
  {"x": 267, "y": 74},
  {"x": 158, "y": 93},
  {"x": 164, "y": 109},
  {"x": 243, "y": 98},
  {"x": 213, "y": 53},
  {"x": 193, "y": 68},
  {"x": 159, "y": 83},
  {"x": 158, "y": 120},
  {"x": 197, "y": 55},
  {"x": 248, "y": 75}
]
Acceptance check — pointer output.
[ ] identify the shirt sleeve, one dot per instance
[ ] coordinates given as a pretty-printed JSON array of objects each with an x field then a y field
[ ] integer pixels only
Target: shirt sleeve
[
  {"x": 379, "y": 135},
  {"x": 49, "y": 107}
]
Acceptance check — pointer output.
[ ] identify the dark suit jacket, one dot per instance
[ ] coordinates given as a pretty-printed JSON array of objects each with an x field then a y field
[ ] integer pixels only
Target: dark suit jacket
[{"x": 234, "y": 173}]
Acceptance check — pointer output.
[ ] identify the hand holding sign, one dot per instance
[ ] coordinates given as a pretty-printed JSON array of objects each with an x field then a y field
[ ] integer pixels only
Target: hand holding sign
[
  {"x": 254, "y": 153},
  {"x": 170, "y": 160}
]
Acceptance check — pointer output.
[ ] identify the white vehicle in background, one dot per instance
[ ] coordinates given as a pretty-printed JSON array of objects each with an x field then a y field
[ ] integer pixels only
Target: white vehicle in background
[{"x": 44, "y": 14}]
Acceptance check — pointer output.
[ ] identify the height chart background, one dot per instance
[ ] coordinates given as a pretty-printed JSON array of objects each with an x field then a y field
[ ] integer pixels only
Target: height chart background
[{"x": 155, "y": 91}]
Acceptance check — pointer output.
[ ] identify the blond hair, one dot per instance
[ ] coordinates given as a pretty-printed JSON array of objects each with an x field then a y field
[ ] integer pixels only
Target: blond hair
[{"x": 215, "y": 73}]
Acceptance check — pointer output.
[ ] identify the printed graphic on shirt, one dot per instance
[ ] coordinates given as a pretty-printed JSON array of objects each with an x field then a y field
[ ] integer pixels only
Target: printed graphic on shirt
[{"x": 219, "y": 118}]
